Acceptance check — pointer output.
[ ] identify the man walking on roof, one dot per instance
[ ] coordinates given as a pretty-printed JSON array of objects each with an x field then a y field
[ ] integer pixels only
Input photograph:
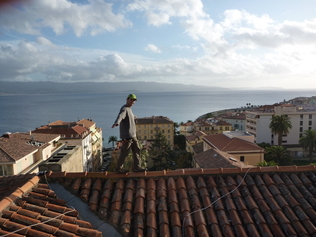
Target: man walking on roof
[{"x": 126, "y": 120}]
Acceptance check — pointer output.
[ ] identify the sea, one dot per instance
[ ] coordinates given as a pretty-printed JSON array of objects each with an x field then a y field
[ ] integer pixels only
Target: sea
[{"x": 23, "y": 113}]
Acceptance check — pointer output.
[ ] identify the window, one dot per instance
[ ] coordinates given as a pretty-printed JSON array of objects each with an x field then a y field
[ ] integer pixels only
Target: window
[
  {"x": 301, "y": 123},
  {"x": 242, "y": 158},
  {"x": 301, "y": 116},
  {"x": 6, "y": 170},
  {"x": 301, "y": 129},
  {"x": 310, "y": 116},
  {"x": 310, "y": 123}
]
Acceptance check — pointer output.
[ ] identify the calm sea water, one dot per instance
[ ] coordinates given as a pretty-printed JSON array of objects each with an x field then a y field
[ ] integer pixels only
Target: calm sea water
[{"x": 22, "y": 113}]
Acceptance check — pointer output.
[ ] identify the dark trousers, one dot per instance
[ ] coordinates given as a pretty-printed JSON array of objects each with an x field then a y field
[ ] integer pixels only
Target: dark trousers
[{"x": 129, "y": 144}]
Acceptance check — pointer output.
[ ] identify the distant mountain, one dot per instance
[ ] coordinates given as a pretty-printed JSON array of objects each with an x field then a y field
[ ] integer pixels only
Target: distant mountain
[{"x": 95, "y": 87}]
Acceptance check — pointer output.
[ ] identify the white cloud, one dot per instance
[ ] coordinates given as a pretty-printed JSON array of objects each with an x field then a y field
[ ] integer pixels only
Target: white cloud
[
  {"x": 45, "y": 42},
  {"x": 152, "y": 48},
  {"x": 159, "y": 12},
  {"x": 62, "y": 15},
  {"x": 241, "y": 49}
]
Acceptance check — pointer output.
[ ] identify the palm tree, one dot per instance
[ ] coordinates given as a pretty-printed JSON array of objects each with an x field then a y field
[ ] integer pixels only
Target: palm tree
[
  {"x": 278, "y": 153},
  {"x": 308, "y": 142},
  {"x": 267, "y": 163},
  {"x": 112, "y": 139},
  {"x": 279, "y": 125}
]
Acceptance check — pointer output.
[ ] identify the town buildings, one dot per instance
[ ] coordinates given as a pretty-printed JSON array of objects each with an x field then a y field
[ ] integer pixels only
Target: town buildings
[
  {"x": 21, "y": 153},
  {"x": 83, "y": 133},
  {"x": 237, "y": 120},
  {"x": 239, "y": 146},
  {"x": 148, "y": 127},
  {"x": 208, "y": 126},
  {"x": 258, "y": 121}
]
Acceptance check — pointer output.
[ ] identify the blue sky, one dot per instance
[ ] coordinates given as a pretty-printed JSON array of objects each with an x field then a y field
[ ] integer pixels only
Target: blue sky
[{"x": 229, "y": 43}]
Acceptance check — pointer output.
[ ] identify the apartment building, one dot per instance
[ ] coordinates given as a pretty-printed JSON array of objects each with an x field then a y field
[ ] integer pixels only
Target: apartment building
[
  {"x": 240, "y": 148},
  {"x": 148, "y": 127},
  {"x": 187, "y": 128},
  {"x": 237, "y": 121},
  {"x": 211, "y": 126},
  {"x": 83, "y": 133},
  {"x": 21, "y": 153},
  {"x": 258, "y": 120}
]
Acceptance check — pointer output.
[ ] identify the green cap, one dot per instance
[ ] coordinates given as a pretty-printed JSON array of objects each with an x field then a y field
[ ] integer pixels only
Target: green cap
[{"x": 132, "y": 96}]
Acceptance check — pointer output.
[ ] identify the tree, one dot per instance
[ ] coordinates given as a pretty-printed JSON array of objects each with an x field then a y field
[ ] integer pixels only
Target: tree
[
  {"x": 176, "y": 126},
  {"x": 267, "y": 163},
  {"x": 183, "y": 159},
  {"x": 280, "y": 154},
  {"x": 179, "y": 142},
  {"x": 279, "y": 125},
  {"x": 112, "y": 139},
  {"x": 161, "y": 153},
  {"x": 308, "y": 142}
]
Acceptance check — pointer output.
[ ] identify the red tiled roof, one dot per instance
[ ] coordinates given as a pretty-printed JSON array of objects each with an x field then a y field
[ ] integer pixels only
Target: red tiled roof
[
  {"x": 261, "y": 201},
  {"x": 68, "y": 132},
  {"x": 224, "y": 143},
  {"x": 34, "y": 210},
  {"x": 16, "y": 145},
  {"x": 187, "y": 124},
  {"x": 86, "y": 123},
  {"x": 214, "y": 158},
  {"x": 153, "y": 120}
]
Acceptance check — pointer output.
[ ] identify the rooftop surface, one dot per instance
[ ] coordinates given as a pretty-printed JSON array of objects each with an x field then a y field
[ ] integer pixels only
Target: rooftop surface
[{"x": 259, "y": 201}]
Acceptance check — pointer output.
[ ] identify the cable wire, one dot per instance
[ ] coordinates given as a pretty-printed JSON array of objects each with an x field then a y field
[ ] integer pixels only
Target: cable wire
[
  {"x": 73, "y": 209},
  {"x": 204, "y": 208}
]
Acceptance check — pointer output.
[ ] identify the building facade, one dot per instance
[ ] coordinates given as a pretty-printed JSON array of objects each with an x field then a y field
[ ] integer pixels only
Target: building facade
[
  {"x": 21, "y": 153},
  {"x": 258, "y": 120},
  {"x": 211, "y": 126},
  {"x": 148, "y": 127},
  {"x": 247, "y": 152},
  {"x": 83, "y": 133},
  {"x": 237, "y": 120}
]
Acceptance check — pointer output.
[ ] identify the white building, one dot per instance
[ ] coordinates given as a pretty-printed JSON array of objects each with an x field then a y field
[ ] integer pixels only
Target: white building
[
  {"x": 258, "y": 120},
  {"x": 83, "y": 133}
]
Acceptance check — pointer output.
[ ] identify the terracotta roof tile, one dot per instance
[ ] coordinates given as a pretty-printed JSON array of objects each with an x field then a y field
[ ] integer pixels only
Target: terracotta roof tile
[
  {"x": 273, "y": 201},
  {"x": 26, "y": 214}
]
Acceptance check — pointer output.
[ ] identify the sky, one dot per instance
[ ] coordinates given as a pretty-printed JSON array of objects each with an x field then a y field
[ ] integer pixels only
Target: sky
[{"x": 222, "y": 43}]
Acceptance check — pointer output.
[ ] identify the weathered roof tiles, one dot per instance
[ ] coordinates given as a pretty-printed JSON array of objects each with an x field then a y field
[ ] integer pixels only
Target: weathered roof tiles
[{"x": 271, "y": 201}]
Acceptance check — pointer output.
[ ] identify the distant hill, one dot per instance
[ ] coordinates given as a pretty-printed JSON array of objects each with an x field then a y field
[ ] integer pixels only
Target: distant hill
[{"x": 95, "y": 87}]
